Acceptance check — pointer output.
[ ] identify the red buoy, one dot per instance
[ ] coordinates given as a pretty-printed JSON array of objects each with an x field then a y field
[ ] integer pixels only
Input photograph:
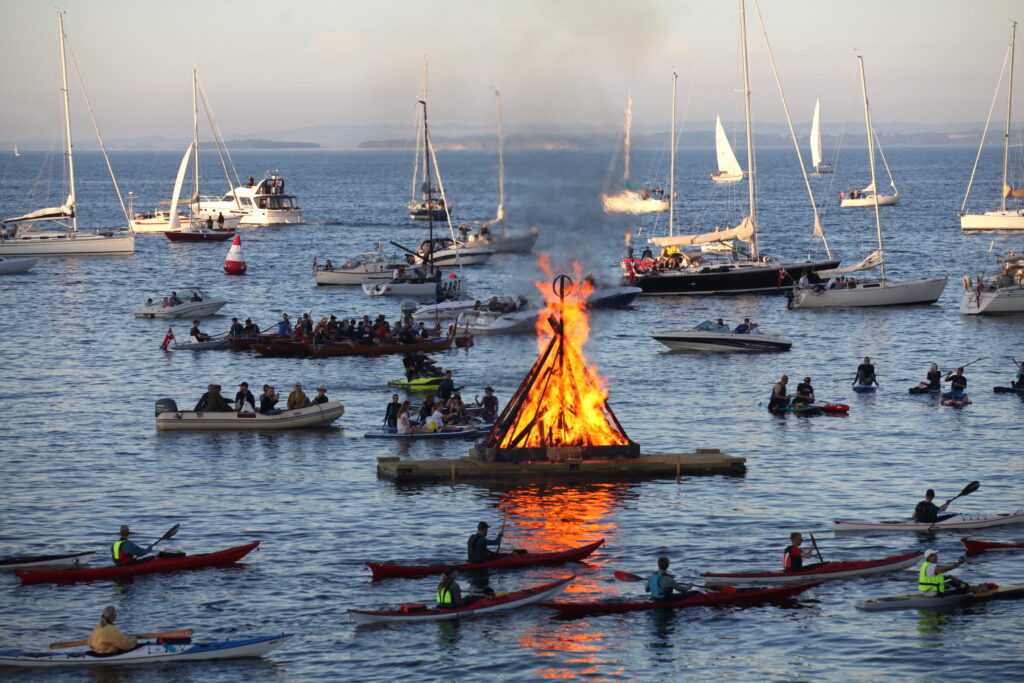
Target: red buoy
[{"x": 235, "y": 264}]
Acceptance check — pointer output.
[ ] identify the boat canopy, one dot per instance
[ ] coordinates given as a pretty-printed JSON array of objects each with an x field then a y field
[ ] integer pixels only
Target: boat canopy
[
  {"x": 1013, "y": 192},
  {"x": 54, "y": 213},
  {"x": 743, "y": 232}
]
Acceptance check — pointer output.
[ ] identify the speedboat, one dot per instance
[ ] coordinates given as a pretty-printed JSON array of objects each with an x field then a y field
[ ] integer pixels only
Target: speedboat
[
  {"x": 488, "y": 322},
  {"x": 708, "y": 337},
  {"x": 454, "y": 308},
  {"x": 452, "y": 287},
  {"x": 9, "y": 266},
  {"x": 257, "y": 203},
  {"x": 369, "y": 267},
  {"x": 613, "y": 297},
  {"x": 193, "y": 304}
]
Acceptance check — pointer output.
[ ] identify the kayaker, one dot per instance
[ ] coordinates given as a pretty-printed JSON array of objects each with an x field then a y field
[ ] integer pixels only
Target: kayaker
[
  {"x": 107, "y": 639},
  {"x": 779, "y": 396},
  {"x": 793, "y": 556},
  {"x": 932, "y": 579},
  {"x": 124, "y": 551},
  {"x": 866, "y": 374},
  {"x": 391, "y": 412},
  {"x": 297, "y": 399},
  {"x": 927, "y": 512},
  {"x": 663, "y": 586},
  {"x": 449, "y": 593},
  {"x": 957, "y": 384},
  {"x": 476, "y": 545}
]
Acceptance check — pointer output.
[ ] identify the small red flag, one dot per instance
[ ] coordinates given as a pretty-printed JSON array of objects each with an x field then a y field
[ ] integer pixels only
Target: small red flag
[{"x": 167, "y": 339}]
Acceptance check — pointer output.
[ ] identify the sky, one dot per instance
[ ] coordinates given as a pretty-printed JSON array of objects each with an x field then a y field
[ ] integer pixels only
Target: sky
[{"x": 561, "y": 65}]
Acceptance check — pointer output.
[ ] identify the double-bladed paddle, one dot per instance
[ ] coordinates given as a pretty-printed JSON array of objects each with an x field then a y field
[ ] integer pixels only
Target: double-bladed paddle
[
  {"x": 181, "y": 633},
  {"x": 626, "y": 576},
  {"x": 815, "y": 544},
  {"x": 501, "y": 534},
  {"x": 968, "y": 490},
  {"x": 169, "y": 534}
]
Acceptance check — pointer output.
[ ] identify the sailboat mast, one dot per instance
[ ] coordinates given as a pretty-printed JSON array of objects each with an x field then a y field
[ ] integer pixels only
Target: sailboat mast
[
  {"x": 501, "y": 159},
  {"x": 67, "y": 125},
  {"x": 672, "y": 162},
  {"x": 426, "y": 145},
  {"x": 754, "y": 253},
  {"x": 629, "y": 128},
  {"x": 195, "y": 141},
  {"x": 871, "y": 159},
  {"x": 1009, "y": 106},
  {"x": 430, "y": 189}
]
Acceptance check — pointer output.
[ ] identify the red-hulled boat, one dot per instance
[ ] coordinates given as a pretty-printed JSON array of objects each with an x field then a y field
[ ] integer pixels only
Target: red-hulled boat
[
  {"x": 976, "y": 547},
  {"x": 518, "y": 559},
  {"x": 827, "y": 571},
  {"x": 742, "y": 596},
  {"x": 199, "y": 235},
  {"x": 156, "y": 564}
]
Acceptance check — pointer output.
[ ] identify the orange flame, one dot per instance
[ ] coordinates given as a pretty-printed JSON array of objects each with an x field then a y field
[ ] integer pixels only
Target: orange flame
[{"x": 566, "y": 405}]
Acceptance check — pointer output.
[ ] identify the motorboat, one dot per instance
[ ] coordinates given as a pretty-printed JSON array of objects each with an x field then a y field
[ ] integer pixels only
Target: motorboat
[
  {"x": 9, "y": 266},
  {"x": 612, "y": 297},
  {"x": 1004, "y": 295},
  {"x": 199, "y": 235},
  {"x": 453, "y": 308},
  {"x": 444, "y": 251},
  {"x": 491, "y": 322},
  {"x": 729, "y": 169},
  {"x": 452, "y": 287},
  {"x": 262, "y": 202},
  {"x": 628, "y": 199},
  {"x": 192, "y": 303},
  {"x": 370, "y": 267},
  {"x": 708, "y": 337},
  {"x": 169, "y": 418}
]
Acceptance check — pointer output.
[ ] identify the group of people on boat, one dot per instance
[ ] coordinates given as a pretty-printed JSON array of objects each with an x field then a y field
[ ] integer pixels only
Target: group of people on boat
[
  {"x": 781, "y": 400},
  {"x": 443, "y": 411},
  {"x": 745, "y": 327},
  {"x": 331, "y": 329},
  {"x": 670, "y": 258},
  {"x": 213, "y": 402},
  {"x": 175, "y": 300}
]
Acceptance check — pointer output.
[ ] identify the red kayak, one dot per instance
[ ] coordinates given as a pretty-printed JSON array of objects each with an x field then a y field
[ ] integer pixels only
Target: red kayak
[
  {"x": 157, "y": 564},
  {"x": 742, "y": 596},
  {"x": 828, "y": 571},
  {"x": 975, "y": 547},
  {"x": 391, "y": 571}
]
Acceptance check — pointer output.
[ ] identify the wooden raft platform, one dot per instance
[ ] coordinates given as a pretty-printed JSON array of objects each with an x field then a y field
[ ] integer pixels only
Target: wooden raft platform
[{"x": 705, "y": 461}]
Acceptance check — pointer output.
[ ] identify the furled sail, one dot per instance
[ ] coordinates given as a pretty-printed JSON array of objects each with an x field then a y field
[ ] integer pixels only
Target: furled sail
[
  {"x": 873, "y": 260},
  {"x": 743, "y": 232},
  {"x": 727, "y": 162},
  {"x": 869, "y": 189},
  {"x": 816, "y": 135},
  {"x": 1013, "y": 192},
  {"x": 50, "y": 214}
]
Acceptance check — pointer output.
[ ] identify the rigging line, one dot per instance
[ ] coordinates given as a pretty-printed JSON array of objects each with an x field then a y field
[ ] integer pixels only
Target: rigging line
[
  {"x": 218, "y": 139},
  {"x": 984, "y": 132},
  {"x": 447, "y": 213},
  {"x": 878, "y": 144}
]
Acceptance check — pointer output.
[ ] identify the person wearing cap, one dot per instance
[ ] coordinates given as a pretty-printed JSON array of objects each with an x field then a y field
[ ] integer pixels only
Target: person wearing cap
[
  {"x": 804, "y": 392},
  {"x": 196, "y": 334},
  {"x": 107, "y": 639},
  {"x": 793, "y": 556},
  {"x": 663, "y": 586},
  {"x": 932, "y": 579},
  {"x": 245, "y": 402},
  {"x": 476, "y": 545},
  {"x": 927, "y": 512},
  {"x": 236, "y": 329},
  {"x": 321, "y": 395},
  {"x": 124, "y": 551},
  {"x": 297, "y": 399}
]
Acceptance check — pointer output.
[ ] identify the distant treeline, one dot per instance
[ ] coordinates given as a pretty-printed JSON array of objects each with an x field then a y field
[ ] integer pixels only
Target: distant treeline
[{"x": 269, "y": 144}]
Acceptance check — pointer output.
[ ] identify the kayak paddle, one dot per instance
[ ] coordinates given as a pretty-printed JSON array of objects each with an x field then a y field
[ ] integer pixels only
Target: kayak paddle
[
  {"x": 501, "y": 534},
  {"x": 968, "y": 490},
  {"x": 181, "y": 633},
  {"x": 626, "y": 576},
  {"x": 815, "y": 544},
  {"x": 169, "y": 534}
]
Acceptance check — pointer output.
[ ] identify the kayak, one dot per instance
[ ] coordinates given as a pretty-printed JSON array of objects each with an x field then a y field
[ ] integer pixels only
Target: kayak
[
  {"x": 1009, "y": 390},
  {"x": 47, "y": 561},
  {"x": 155, "y": 564},
  {"x": 956, "y": 402},
  {"x": 829, "y": 571},
  {"x": 861, "y": 388},
  {"x": 416, "y": 613},
  {"x": 975, "y": 547},
  {"x": 742, "y": 596},
  {"x": 516, "y": 559},
  {"x": 919, "y": 601},
  {"x": 956, "y": 522},
  {"x": 418, "y": 384},
  {"x": 390, "y": 433},
  {"x": 150, "y": 652}
]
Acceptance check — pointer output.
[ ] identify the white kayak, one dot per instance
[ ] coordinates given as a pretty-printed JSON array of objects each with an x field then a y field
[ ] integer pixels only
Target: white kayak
[
  {"x": 47, "y": 561},
  {"x": 920, "y": 601},
  {"x": 966, "y": 521},
  {"x": 187, "y": 420},
  {"x": 149, "y": 653}
]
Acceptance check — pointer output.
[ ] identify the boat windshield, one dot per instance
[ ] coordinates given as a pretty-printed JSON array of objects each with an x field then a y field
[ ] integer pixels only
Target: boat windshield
[{"x": 706, "y": 326}]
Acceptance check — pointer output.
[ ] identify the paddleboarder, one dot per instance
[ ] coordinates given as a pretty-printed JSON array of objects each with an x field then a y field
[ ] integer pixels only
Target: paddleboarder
[
  {"x": 1018, "y": 379},
  {"x": 107, "y": 639},
  {"x": 957, "y": 384},
  {"x": 476, "y": 546},
  {"x": 927, "y": 512},
  {"x": 124, "y": 551},
  {"x": 663, "y": 586},
  {"x": 932, "y": 579},
  {"x": 866, "y": 373}
]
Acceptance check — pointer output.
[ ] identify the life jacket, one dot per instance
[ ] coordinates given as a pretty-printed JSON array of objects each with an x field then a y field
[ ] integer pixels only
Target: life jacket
[
  {"x": 444, "y": 596},
  {"x": 926, "y": 583},
  {"x": 791, "y": 562},
  {"x": 117, "y": 555},
  {"x": 654, "y": 586}
]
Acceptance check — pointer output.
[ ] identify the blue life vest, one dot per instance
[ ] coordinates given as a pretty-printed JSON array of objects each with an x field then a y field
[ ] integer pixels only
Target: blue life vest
[{"x": 654, "y": 586}]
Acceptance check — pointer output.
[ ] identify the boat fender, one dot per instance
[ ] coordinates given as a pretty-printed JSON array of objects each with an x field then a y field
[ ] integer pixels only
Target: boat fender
[
  {"x": 166, "y": 405},
  {"x": 967, "y": 283}
]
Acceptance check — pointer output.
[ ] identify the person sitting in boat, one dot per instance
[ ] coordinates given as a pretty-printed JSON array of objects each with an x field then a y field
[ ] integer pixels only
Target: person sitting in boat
[
  {"x": 124, "y": 551},
  {"x": 269, "y": 399},
  {"x": 297, "y": 399},
  {"x": 851, "y": 283},
  {"x": 236, "y": 329},
  {"x": 754, "y": 329},
  {"x": 329, "y": 265},
  {"x": 284, "y": 328},
  {"x": 1018, "y": 379},
  {"x": 663, "y": 586},
  {"x": 213, "y": 402},
  {"x": 932, "y": 579},
  {"x": 427, "y": 409},
  {"x": 455, "y": 411},
  {"x": 804, "y": 393},
  {"x": 107, "y": 639},
  {"x": 721, "y": 326},
  {"x": 449, "y": 593},
  {"x": 174, "y": 300},
  {"x": 489, "y": 406},
  {"x": 779, "y": 397},
  {"x": 391, "y": 412},
  {"x": 250, "y": 329},
  {"x": 927, "y": 512},
  {"x": 245, "y": 402},
  {"x": 838, "y": 283},
  {"x": 957, "y": 384},
  {"x": 866, "y": 374},
  {"x": 403, "y": 424},
  {"x": 320, "y": 331},
  {"x": 793, "y": 556},
  {"x": 805, "y": 281},
  {"x": 934, "y": 379},
  {"x": 477, "y": 545},
  {"x": 196, "y": 334},
  {"x": 743, "y": 327},
  {"x": 435, "y": 421},
  {"x": 321, "y": 396},
  {"x": 167, "y": 302},
  {"x": 484, "y": 231}
]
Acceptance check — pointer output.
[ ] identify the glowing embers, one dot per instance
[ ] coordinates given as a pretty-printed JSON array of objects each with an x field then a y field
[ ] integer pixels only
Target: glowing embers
[{"x": 560, "y": 411}]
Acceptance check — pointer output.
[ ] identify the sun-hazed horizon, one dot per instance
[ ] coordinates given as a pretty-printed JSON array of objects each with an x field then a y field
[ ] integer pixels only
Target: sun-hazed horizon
[{"x": 562, "y": 67}]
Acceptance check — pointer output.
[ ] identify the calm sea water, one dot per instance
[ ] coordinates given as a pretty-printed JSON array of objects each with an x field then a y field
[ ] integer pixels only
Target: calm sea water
[{"x": 79, "y": 454}]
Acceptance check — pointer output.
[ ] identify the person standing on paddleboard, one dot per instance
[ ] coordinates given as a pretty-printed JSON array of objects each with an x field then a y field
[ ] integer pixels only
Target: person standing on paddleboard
[
  {"x": 663, "y": 586},
  {"x": 124, "y": 551},
  {"x": 927, "y": 512}
]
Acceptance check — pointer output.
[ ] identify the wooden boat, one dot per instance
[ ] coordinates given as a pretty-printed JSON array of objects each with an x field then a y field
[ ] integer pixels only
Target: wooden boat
[
  {"x": 319, "y": 415},
  {"x": 47, "y": 561}
]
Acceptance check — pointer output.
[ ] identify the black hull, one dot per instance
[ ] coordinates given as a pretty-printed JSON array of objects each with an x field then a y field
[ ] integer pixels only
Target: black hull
[{"x": 731, "y": 279}]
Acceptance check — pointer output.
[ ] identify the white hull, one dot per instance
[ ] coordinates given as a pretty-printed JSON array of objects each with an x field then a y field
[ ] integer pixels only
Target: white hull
[
  {"x": 722, "y": 177},
  {"x": 993, "y": 220},
  {"x": 486, "y": 322},
  {"x": 872, "y": 293},
  {"x": 1001, "y": 301},
  {"x": 463, "y": 257},
  {"x": 957, "y": 522},
  {"x": 161, "y": 225},
  {"x": 516, "y": 243},
  {"x": 798, "y": 577},
  {"x": 883, "y": 200},
  {"x": 68, "y": 244},
  {"x": 366, "y": 273},
  {"x": 630, "y": 201},
  {"x": 19, "y": 265},
  {"x": 449, "y": 288},
  {"x": 444, "y": 310},
  {"x": 212, "y": 345},
  {"x": 187, "y": 309},
  {"x": 310, "y": 416},
  {"x": 58, "y": 562},
  {"x": 272, "y": 217},
  {"x": 719, "y": 342}
]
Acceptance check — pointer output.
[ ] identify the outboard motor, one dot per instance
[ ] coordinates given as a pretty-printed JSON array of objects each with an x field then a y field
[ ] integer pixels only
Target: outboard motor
[{"x": 166, "y": 405}]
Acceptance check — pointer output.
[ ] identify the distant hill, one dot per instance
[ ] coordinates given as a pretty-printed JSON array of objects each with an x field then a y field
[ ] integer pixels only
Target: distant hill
[{"x": 253, "y": 143}]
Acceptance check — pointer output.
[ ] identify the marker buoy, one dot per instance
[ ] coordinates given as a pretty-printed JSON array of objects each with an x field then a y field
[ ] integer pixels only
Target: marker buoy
[{"x": 235, "y": 264}]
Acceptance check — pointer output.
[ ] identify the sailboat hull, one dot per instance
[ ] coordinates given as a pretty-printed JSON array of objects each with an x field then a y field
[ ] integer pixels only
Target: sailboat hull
[
  {"x": 734, "y": 278},
  {"x": 993, "y": 220},
  {"x": 875, "y": 293},
  {"x": 723, "y": 177},
  {"x": 883, "y": 200},
  {"x": 68, "y": 244},
  {"x": 993, "y": 301}
]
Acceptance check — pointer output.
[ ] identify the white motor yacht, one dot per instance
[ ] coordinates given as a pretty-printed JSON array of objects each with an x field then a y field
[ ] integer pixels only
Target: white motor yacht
[
  {"x": 189, "y": 302},
  {"x": 257, "y": 203},
  {"x": 708, "y": 337},
  {"x": 491, "y": 322},
  {"x": 370, "y": 267}
]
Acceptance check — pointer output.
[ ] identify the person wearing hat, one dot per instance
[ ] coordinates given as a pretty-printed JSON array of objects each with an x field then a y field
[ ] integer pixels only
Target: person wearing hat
[
  {"x": 245, "y": 402},
  {"x": 321, "y": 395},
  {"x": 107, "y": 639},
  {"x": 236, "y": 329},
  {"x": 297, "y": 399},
  {"x": 932, "y": 579},
  {"x": 476, "y": 545},
  {"x": 804, "y": 392},
  {"x": 927, "y": 512}
]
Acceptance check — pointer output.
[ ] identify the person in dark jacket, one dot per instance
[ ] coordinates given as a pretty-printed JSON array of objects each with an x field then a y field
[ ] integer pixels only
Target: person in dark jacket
[
  {"x": 476, "y": 546},
  {"x": 268, "y": 399}
]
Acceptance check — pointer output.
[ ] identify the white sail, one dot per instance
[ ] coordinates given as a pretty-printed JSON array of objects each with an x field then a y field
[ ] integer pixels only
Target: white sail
[
  {"x": 727, "y": 162},
  {"x": 816, "y": 135},
  {"x": 174, "y": 226}
]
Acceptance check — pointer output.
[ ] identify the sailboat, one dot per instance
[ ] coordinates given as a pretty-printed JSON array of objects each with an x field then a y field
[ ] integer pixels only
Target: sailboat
[
  {"x": 1005, "y": 218},
  {"x": 62, "y": 239},
  {"x": 425, "y": 202},
  {"x": 869, "y": 196},
  {"x": 880, "y": 292},
  {"x": 817, "y": 164},
  {"x": 16, "y": 152},
  {"x": 698, "y": 273},
  {"x": 729, "y": 170},
  {"x": 628, "y": 200}
]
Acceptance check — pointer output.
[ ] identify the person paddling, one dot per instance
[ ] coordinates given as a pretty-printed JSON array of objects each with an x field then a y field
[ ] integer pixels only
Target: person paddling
[
  {"x": 866, "y": 374},
  {"x": 663, "y": 586},
  {"x": 932, "y": 578},
  {"x": 793, "y": 556},
  {"x": 957, "y": 384},
  {"x": 107, "y": 639},
  {"x": 476, "y": 545},
  {"x": 1018, "y": 379},
  {"x": 927, "y": 512},
  {"x": 449, "y": 593},
  {"x": 779, "y": 397},
  {"x": 124, "y": 551}
]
